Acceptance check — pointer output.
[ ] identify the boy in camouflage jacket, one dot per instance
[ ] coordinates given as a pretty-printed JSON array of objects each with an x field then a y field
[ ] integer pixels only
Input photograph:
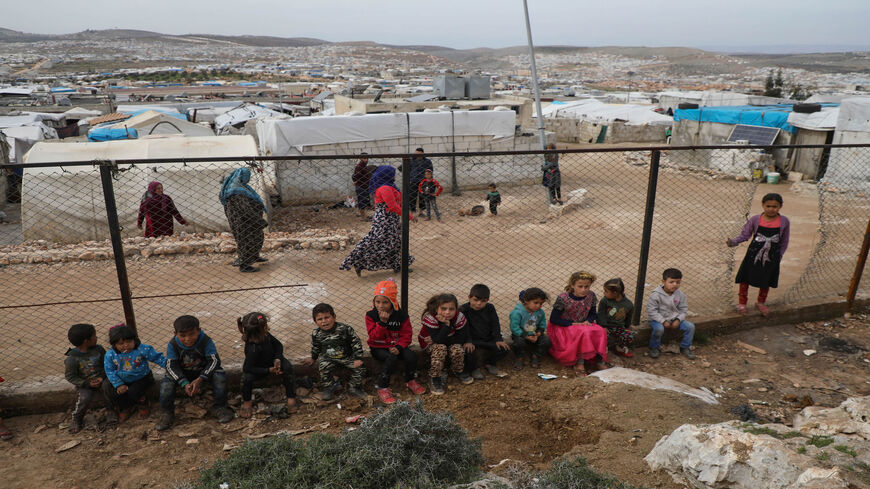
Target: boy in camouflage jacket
[{"x": 335, "y": 346}]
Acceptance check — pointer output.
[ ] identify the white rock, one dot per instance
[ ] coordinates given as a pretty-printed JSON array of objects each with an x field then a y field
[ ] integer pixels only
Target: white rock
[
  {"x": 849, "y": 418},
  {"x": 809, "y": 352}
]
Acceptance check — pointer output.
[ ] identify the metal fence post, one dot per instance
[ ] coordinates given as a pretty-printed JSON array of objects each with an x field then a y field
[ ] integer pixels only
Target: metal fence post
[
  {"x": 406, "y": 231},
  {"x": 647, "y": 234},
  {"x": 117, "y": 246},
  {"x": 859, "y": 268}
]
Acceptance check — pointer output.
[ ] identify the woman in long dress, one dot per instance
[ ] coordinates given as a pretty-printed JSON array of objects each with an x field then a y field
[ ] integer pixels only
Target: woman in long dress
[
  {"x": 157, "y": 211},
  {"x": 381, "y": 248},
  {"x": 244, "y": 209}
]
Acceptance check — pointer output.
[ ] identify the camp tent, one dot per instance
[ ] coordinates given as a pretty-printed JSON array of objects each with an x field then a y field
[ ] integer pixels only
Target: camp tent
[
  {"x": 65, "y": 204},
  {"x": 153, "y": 122},
  {"x": 848, "y": 166}
]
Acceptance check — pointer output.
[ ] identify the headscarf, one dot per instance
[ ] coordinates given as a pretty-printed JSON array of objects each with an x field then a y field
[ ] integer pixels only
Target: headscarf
[
  {"x": 237, "y": 184},
  {"x": 162, "y": 199},
  {"x": 383, "y": 175}
]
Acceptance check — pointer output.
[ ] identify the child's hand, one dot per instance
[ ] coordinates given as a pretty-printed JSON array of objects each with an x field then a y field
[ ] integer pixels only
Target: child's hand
[
  {"x": 533, "y": 338},
  {"x": 468, "y": 347},
  {"x": 357, "y": 363},
  {"x": 194, "y": 387},
  {"x": 501, "y": 345},
  {"x": 394, "y": 350},
  {"x": 122, "y": 390},
  {"x": 427, "y": 340},
  {"x": 96, "y": 382},
  {"x": 307, "y": 361},
  {"x": 728, "y": 243},
  {"x": 277, "y": 365},
  {"x": 275, "y": 370}
]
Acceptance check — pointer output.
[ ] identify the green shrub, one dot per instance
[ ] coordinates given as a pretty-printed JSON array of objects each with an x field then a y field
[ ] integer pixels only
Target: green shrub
[
  {"x": 566, "y": 473},
  {"x": 802, "y": 450},
  {"x": 820, "y": 441},
  {"x": 846, "y": 450},
  {"x": 403, "y": 447}
]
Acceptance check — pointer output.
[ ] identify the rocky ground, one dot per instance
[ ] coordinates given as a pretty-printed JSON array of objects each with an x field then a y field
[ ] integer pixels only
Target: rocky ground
[{"x": 521, "y": 419}]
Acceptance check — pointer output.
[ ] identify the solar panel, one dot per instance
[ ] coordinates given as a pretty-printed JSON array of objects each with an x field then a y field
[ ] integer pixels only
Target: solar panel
[
  {"x": 423, "y": 98},
  {"x": 756, "y": 135},
  {"x": 322, "y": 95}
]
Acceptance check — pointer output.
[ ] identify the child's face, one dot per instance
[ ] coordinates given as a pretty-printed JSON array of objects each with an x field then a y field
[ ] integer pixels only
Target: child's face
[
  {"x": 382, "y": 304},
  {"x": 88, "y": 342},
  {"x": 611, "y": 294},
  {"x": 325, "y": 321},
  {"x": 125, "y": 346},
  {"x": 492, "y": 188},
  {"x": 477, "y": 304},
  {"x": 428, "y": 174},
  {"x": 446, "y": 312},
  {"x": 671, "y": 284},
  {"x": 771, "y": 208},
  {"x": 188, "y": 338},
  {"x": 534, "y": 305},
  {"x": 581, "y": 288}
]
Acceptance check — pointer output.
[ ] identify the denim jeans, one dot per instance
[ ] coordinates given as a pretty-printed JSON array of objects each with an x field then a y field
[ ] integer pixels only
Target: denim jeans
[
  {"x": 658, "y": 329},
  {"x": 218, "y": 386}
]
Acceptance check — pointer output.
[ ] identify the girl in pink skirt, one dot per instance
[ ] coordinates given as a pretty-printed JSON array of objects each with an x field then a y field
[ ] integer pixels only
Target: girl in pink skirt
[{"x": 577, "y": 340}]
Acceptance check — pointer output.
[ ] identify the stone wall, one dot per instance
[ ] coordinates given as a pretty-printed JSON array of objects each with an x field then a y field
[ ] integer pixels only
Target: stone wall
[
  {"x": 577, "y": 131},
  {"x": 309, "y": 181}
]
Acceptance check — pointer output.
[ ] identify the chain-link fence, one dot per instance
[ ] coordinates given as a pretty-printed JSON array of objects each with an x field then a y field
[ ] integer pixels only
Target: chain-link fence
[{"x": 188, "y": 245}]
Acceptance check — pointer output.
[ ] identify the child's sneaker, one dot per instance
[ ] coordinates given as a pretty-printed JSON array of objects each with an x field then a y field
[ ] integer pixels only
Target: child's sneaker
[
  {"x": 223, "y": 414},
  {"x": 328, "y": 393},
  {"x": 436, "y": 385},
  {"x": 476, "y": 374},
  {"x": 624, "y": 351},
  {"x": 493, "y": 370},
  {"x": 415, "y": 387},
  {"x": 386, "y": 395},
  {"x": 124, "y": 415},
  {"x": 356, "y": 391},
  {"x": 111, "y": 417},
  {"x": 654, "y": 352},
  {"x": 688, "y": 353},
  {"x": 165, "y": 421},
  {"x": 519, "y": 364},
  {"x": 464, "y": 378},
  {"x": 144, "y": 408},
  {"x": 75, "y": 425},
  {"x": 535, "y": 362}
]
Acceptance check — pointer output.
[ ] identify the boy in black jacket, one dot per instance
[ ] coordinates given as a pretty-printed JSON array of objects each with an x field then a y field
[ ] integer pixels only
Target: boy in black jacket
[
  {"x": 484, "y": 330},
  {"x": 191, "y": 360},
  {"x": 84, "y": 369}
]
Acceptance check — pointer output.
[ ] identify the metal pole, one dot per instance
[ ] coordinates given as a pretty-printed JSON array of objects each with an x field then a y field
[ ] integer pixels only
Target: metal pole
[
  {"x": 647, "y": 234},
  {"x": 535, "y": 78},
  {"x": 117, "y": 245},
  {"x": 406, "y": 231},
  {"x": 859, "y": 269},
  {"x": 455, "y": 185}
]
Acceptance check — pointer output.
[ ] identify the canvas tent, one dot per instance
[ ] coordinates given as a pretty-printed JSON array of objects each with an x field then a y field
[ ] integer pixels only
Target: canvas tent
[
  {"x": 66, "y": 204},
  {"x": 153, "y": 122},
  {"x": 596, "y": 111},
  {"x": 238, "y": 116},
  {"x": 22, "y": 132},
  {"x": 848, "y": 166}
]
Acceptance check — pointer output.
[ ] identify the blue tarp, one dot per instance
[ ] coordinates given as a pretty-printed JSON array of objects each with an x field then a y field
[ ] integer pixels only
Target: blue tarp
[
  {"x": 751, "y": 115},
  {"x": 134, "y": 113},
  {"x": 62, "y": 90},
  {"x": 108, "y": 134}
]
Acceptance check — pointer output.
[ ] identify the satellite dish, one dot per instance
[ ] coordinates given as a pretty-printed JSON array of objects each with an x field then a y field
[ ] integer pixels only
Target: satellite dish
[{"x": 378, "y": 96}]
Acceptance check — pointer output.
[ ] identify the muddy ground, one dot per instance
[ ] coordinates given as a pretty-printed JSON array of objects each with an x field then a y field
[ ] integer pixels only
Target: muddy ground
[{"x": 521, "y": 417}]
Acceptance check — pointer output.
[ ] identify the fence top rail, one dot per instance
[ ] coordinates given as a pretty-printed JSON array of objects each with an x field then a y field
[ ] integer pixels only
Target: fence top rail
[{"x": 255, "y": 159}]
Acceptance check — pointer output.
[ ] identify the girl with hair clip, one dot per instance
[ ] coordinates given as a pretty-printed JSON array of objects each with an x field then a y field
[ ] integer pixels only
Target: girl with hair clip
[
  {"x": 444, "y": 333},
  {"x": 577, "y": 340},
  {"x": 614, "y": 314},
  {"x": 264, "y": 356}
]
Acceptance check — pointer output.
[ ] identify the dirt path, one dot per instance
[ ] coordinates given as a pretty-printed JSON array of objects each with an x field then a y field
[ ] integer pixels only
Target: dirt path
[{"x": 520, "y": 418}]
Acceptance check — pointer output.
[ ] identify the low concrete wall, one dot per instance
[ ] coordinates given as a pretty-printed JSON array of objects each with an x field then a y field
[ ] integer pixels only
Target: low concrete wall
[
  {"x": 309, "y": 181},
  {"x": 695, "y": 133},
  {"x": 57, "y": 395},
  {"x": 577, "y": 131}
]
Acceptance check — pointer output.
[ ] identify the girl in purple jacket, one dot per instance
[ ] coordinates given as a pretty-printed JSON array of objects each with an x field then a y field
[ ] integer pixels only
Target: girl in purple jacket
[{"x": 760, "y": 268}]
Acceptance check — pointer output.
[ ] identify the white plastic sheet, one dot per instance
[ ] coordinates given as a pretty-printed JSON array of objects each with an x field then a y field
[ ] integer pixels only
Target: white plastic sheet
[{"x": 854, "y": 115}]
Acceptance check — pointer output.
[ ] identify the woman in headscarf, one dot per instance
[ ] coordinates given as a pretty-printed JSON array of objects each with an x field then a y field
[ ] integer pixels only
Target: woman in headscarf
[
  {"x": 381, "y": 248},
  {"x": 244, "y": 209},
  {"x": 157, "y": 210}
]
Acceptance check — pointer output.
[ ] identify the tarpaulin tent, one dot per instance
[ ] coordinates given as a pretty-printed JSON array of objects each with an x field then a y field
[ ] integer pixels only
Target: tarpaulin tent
[
  {"x": 153, "y": 122},
  {"x": 105, "y": 133},
  {"x": 66, "y": 204}
]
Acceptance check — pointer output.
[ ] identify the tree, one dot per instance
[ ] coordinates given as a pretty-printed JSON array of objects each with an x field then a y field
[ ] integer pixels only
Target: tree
[{"x": 773, "y": 86}]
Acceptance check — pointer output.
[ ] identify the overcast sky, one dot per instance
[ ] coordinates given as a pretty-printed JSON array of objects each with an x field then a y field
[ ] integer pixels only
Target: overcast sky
[{"x": 470, "y": 23}]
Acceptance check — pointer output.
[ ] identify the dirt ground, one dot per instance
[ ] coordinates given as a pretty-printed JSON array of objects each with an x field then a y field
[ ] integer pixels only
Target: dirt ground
[
  {"x": 521, "y": 418},
  {"x": 520, "y": 248}
]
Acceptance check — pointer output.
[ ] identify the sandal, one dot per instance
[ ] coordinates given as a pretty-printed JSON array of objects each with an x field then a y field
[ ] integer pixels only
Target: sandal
[
  {"x": 292, "y": 407},
  {"x": 245, "y": 412},
  {"x": 741, "y": 309},
  {"x": 5, "y": 434},
  {"x": 764, "y": 310},
  {"x": 579, "y": 370},
  {"x": 624, "y": 352}
]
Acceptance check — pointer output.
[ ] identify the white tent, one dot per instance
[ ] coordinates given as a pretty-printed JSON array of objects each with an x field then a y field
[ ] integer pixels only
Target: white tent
[
  {"x": 595, "y": 111},
  {"x": 22, "y": 132},
  {"x": 823, "y": 120},
  {"x": 290, "y": 136},
  {"x": 66, "y": 204},
  {"x": 242, "y": 114},
  {"x": 848, "y": 166},
  {"x": 80, "y": 113},
  {"x": 153, "y": 122}
]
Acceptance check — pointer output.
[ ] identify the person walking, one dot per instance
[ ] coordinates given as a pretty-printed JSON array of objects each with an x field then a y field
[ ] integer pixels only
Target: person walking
[{"x": 244, "y": 209}]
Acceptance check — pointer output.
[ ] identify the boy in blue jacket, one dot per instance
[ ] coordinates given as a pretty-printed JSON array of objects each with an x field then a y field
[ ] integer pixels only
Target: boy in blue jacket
[
  {"x": 529, "y": 327},
  {"x": 192, "y": 360},
  {"x": 127, "y": 371}
]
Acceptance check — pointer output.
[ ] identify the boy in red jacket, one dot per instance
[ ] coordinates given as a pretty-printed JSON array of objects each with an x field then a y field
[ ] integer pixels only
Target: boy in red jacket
[
  {"x": 430, "y": 189},
  {"x": 390, "y": 332}
]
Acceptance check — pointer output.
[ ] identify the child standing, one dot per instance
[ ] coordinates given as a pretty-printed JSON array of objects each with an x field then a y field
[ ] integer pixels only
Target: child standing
[
  {"x": 552, "y": 176},
  {"x": 529, "y": 327},
  {"x": 191, "y": 360},
  {"x": 615, "y": 312},
  {"x": 390, "y": 333},
  {"x": 577, "y": 340},
  {"x": 335, "y": 346},
  {"x": 84, "y": 369},
  {"x": 444, "y": 334},
  {"x": 126, "y": 366},
  {"x": 484, "y": 331},
  {"x": 760, "y": 268},
  {"x": 264, "y": 356},
  {"x": 430, "y": 189},
  {"x": 667, "y": 308},
  {"x": 494, "y": 199}
]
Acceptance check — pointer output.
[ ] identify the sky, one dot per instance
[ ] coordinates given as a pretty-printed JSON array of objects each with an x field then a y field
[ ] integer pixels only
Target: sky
[{"x": 472, "y": 23}]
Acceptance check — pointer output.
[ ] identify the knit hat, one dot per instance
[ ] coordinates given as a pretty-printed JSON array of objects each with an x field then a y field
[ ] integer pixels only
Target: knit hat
[{"x": 388, "y": 289}]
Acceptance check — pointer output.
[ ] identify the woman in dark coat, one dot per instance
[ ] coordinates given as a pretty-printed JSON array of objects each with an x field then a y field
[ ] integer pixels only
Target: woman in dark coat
[
  {"x": 157, "y": 210},
  {"x": 381, "y": 248},
  {"x": 244, "y": 209}
]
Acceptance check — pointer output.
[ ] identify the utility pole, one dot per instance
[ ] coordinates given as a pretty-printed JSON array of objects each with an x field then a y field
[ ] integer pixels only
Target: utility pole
[{"x": 535, "y": 79}]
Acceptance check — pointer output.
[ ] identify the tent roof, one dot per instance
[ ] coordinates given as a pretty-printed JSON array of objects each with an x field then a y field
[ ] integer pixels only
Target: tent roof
[
  {"x": 597, "y": 111},
  {"x": 854, "y": 115},
  {"x": 150, "y": 118},
  {"x": 753, "y": 115},
  {"x": 824, "y": 120}
]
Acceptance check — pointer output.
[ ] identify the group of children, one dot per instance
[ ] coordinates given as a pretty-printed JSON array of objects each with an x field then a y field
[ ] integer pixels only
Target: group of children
[{"x": 576, "y": 334}]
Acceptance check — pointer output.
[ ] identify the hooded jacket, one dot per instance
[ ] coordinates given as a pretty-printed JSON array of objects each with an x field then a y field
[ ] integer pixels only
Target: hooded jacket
[
  {"x": 663, "y": 307},
  {"x": 396, "y": 331},
  {"x": 201, "y": 359},
  {"x": 525, "y": 323}
]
